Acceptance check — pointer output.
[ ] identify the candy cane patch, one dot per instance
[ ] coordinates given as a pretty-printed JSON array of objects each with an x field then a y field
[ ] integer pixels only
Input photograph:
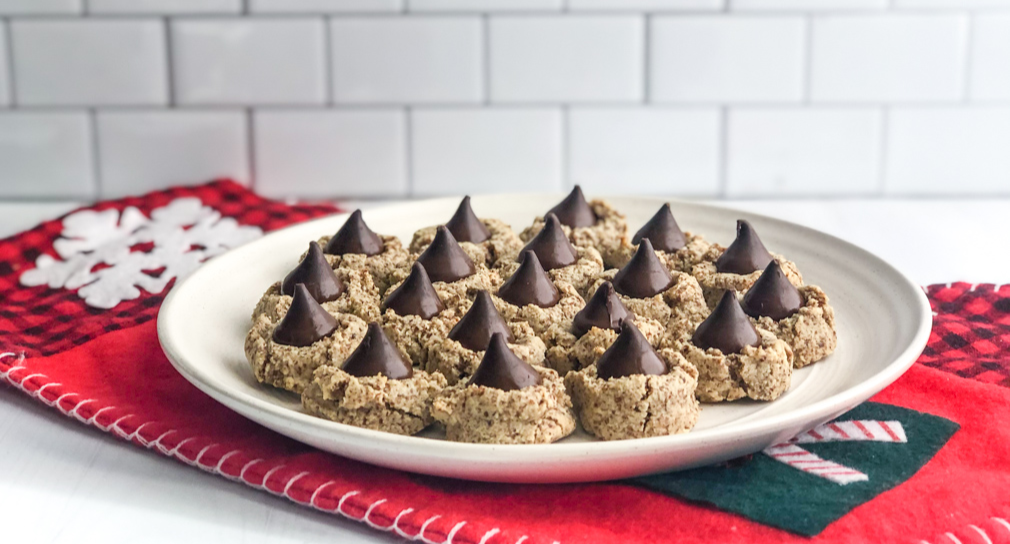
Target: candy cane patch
[{"x": 839, "y": 431}]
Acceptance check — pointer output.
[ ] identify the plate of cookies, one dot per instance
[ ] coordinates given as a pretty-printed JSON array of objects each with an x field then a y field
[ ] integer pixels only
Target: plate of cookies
[{"x": 544, "y": 338}]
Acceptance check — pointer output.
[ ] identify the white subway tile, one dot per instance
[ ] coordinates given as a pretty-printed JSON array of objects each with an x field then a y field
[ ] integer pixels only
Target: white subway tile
[
  {"x": 948, "y": 151},
  {"x": 806, "y": 5},
  {"x": 485, "y": 5},
  {"x": 567, "y": 59},
  {"x": 407, "y": 59},
  {"x": 249, "y": 61},
  {"x": 141, "y": 151},
  {"x": 458, "y": 151},
  {"x": 651, "y": 150},
  {"x": 90, "y": 61},
  {"x": 727, "y": 59},
  {"x": 39, "y": 7},
  {"x": 951, "y": 3},
  {"x": 803, "y": 151},
  {"x": 46, "y": 155},
  {"x": 164, "y": 6},
  {"x": 330, "y": 153},
  {"x": 324, "y": 6},
  {"x": 907, "y": 57},
  {"x": 990, "y": 61},
  {"x": 651, "y": 5}
]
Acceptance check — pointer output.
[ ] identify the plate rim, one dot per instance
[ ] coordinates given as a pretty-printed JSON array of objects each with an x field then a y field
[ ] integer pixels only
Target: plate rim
[{"x": 820, "y": 410}]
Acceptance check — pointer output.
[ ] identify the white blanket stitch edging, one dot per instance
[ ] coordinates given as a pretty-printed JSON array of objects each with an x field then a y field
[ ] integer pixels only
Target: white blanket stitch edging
[{"x": 115, "y": 429}]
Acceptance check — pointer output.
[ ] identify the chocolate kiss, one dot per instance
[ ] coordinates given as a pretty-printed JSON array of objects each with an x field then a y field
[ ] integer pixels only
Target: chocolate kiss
[
  {"x": 481, "y": 321},
  {"x": 501, "y": 369},
  {"x": 376, "y": 355},
  {"x": 630, "y": 354},
  {"x": 444, "y": 260},
  {"x": 574, "y": 211},
  {"x": 644, "y": 276},
  {"x": 552, "y": 246},
  {"x": 530, "y": 284},
  {"x": 727, "y": 328},
  {"x": 772, "y": 295},
  {"x": 415, "y": 296},
  {"x": 317, "y": 276},
  {"x": 663, "y": 231},
  {"x": 305, "y": 322},
  {"x": 746, "y": 254},
  {"x": 604, "y": 310},
  {"x": 354, "y": 237},
  {"x": 465, "y": 226}
]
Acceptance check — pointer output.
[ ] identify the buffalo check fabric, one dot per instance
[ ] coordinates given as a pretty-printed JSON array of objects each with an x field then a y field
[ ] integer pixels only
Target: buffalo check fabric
[{"x": 88, "y": 353}]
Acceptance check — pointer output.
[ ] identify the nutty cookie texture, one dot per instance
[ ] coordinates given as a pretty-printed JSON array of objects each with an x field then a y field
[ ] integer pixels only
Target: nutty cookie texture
[
  {"x": 581, "y": 275},
  {"x": 734, "y": 359},
  {"x": 540, "y": 318},
  {"x": 414, "y": 315},
  {"x": 384, "y": 267},
  {"x": 291, "y": 367},
  {"x": 375, "y": 388},
  {"x": 373, "y": 402},
  {"x": 458, "y": 355},
  {"x": 361, "y": 298},
  {"x": 676, "y": 249},
  {"x": 649, "y": 289},
  {"x": 639, "y": 405},
  {"x": 594, "y": 224},
  {"x": 568, "y": 353},
  {"x": 537, "y": 414},
  {"x": 810, "y": 332},
  {"x": 738, "y": 266},
  {"x": 503, "y": 241}
]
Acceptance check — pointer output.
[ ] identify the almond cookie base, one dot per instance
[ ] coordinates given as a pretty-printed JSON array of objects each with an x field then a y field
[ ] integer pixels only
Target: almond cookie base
[
  {"x": 538, "y": 414},
  {"x": 541, "y": 319},
  {"x": 714, "y": 283},
  {"x": 450, "y": 359},
  {"x": 682, "y": 260},
  {"x": 607, "y": 235},
  {"x": 810, "y": 332},
  {"x": 291, "y": 367},
  {"x": 683, "y": 300},
  {"x": 382, "y": 266},
  {"x": 373, "y": 402},
  {"x": 581, "y": 274},
  {"x": 457, "y": 295},
  {"x": 758, "y": 372},
  {"x": 412, "y": 335},
  {"x": 504, "y": 242},
  {"x": 361, "y": 298},
  {"x": 637, "y": 406},
  {"x": 567, "y": 353}
]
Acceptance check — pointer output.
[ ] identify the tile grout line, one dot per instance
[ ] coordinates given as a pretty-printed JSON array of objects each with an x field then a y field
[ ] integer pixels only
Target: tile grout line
[
  {"x": 723, "y": 151},
  {"x": 647, "y": 59},
  {"x": 884, "y": 147},
  {"x": 9, "y": 43},
  {"x": 408, "y": 152},
  {"x": 971, "y": 27},
  {"x": 169, "y": 62},
  {"x": 96, "y": 152},
  {"x": 808, "y": 60},
  {"x": 566, "y": 148},
  {"x": 486, "y": 57},
  {"x": 329, "y": 71},
  {"x": 250, "y": 139}
]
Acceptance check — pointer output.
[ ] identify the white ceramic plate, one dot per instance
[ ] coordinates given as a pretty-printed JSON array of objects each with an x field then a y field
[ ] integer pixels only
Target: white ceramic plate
[{"x": 883, "y": 324}]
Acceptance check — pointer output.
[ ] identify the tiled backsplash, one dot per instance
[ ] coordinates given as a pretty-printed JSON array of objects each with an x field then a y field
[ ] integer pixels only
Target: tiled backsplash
[{"x": 387, "y": 98}]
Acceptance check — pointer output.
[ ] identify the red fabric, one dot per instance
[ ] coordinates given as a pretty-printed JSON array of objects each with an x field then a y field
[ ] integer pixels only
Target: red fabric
[{"x": 117, "y": 379}]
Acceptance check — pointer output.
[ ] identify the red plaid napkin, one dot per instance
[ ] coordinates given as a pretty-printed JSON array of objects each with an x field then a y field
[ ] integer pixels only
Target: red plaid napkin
[{"x": 104, "y": 367}]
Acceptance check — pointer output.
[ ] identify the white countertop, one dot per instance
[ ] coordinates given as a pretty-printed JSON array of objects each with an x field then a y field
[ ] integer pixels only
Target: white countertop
[{"x": 62, "y": 482}]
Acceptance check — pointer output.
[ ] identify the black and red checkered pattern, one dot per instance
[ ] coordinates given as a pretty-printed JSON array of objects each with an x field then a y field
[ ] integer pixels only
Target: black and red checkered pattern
[
  {"x": 44, "y": 321},
  {"x": 971, "y": 331}
]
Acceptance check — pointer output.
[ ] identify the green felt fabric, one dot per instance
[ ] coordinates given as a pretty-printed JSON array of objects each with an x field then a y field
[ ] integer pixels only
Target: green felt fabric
[{"x": 773, "y": 493}]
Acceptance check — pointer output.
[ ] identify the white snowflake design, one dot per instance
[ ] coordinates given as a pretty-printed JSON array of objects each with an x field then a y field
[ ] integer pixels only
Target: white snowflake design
[{"x": 99, "y": 260}]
